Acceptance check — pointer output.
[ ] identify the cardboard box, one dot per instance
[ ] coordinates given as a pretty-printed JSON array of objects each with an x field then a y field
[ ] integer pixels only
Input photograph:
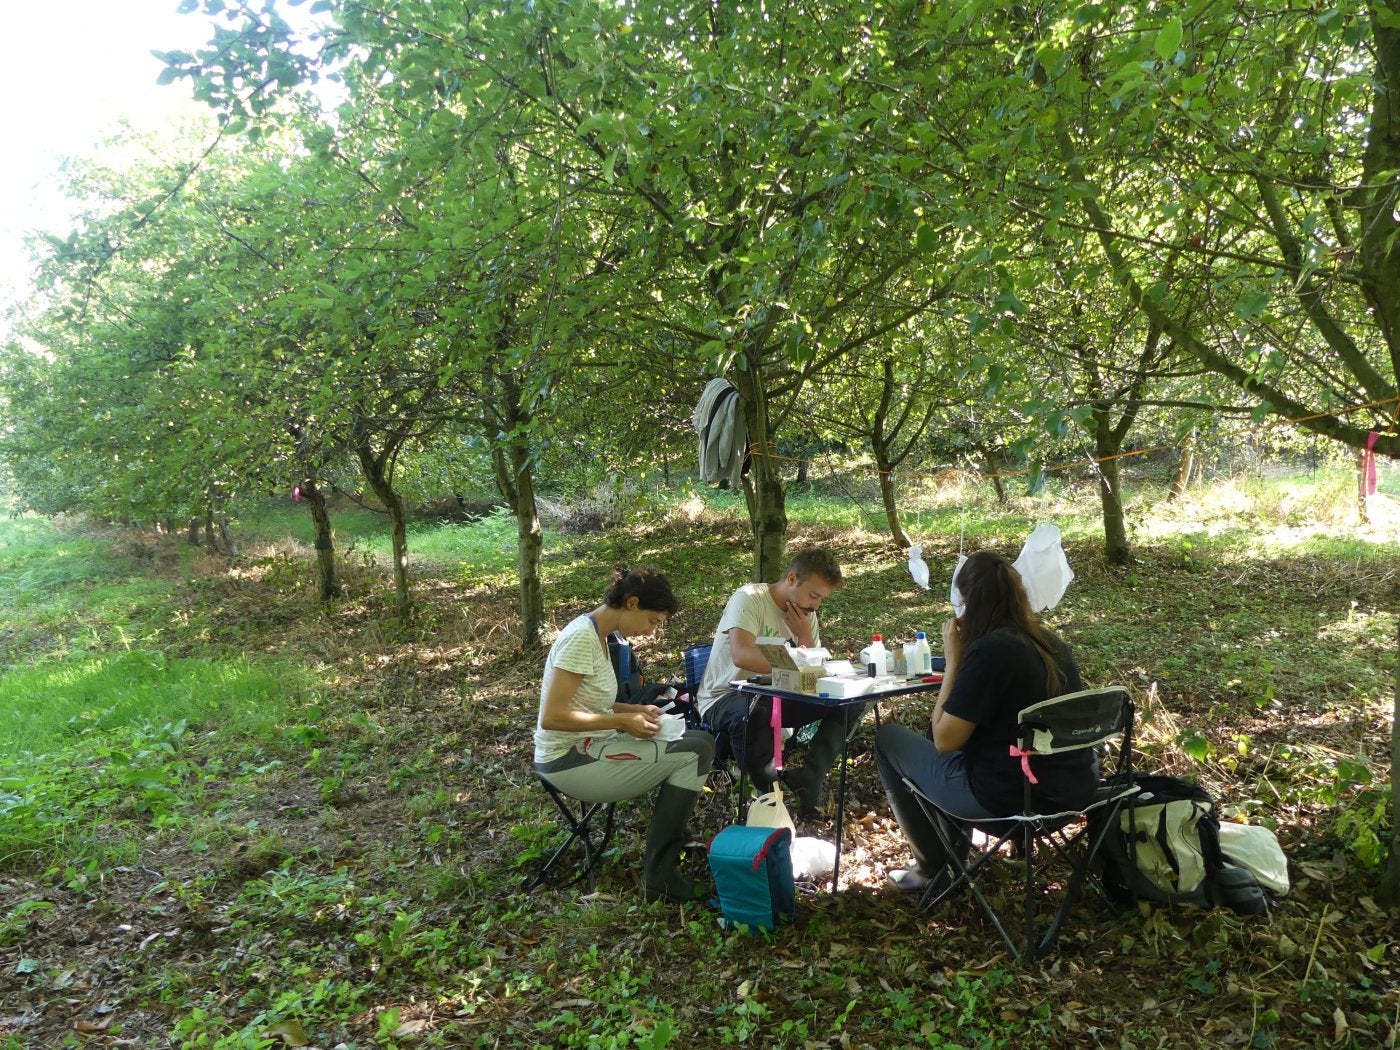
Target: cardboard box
[{"x": 795, "y": 669}]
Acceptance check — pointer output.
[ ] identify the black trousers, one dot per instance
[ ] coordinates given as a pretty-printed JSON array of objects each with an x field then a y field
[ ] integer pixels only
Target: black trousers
[{"x": 750, "y": 739}]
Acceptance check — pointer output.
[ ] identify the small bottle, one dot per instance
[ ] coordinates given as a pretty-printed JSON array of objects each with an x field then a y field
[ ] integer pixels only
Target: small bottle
[
  {"x": 878, "y": 664},
  {"x": 922, "y": 655}
]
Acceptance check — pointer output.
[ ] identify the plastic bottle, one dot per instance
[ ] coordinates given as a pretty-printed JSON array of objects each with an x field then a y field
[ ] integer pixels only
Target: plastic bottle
[
  {"x": 878, "y": 663},
  {"x": 922, "y": 654}
]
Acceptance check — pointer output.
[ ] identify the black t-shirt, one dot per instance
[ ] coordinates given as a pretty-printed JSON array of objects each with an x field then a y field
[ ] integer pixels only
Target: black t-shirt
[{"x": 1002, "y": 673}]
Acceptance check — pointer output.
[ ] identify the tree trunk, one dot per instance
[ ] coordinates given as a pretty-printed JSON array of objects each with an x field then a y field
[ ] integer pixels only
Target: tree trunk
[
  {"x": 225, "y": 537},
  {"x": 763, "y": 484},
  {"x": 373, "y": 467},
  {"x": 1363, "y": 495},
  {"x": 804, "y": 470},
  {"x": 1116, "y": 550},
  {"x": 886, "y": 472},
  {"x": 530, "y": 538},
  {"x": 192, "y": 533},
  {"x": 993, "y": 459},
  {"x": 1184, "y": 466},
  {"x": 327, "y": 586},
  {"x": 514, "y": 467}
]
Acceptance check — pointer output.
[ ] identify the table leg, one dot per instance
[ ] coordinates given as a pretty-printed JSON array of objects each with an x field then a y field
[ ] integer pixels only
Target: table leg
[
  {"x": 840, "y": 813},
  {"x": 743, "y": 754}
]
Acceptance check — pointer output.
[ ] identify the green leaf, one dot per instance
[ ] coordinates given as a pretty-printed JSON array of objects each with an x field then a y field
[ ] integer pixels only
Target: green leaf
[
  {"x": 1195, "y": 745},
  {"x": 1251, "y": 304},
  {"x": 1168, "y": 41},
  {"x": 925, "y": 240}
]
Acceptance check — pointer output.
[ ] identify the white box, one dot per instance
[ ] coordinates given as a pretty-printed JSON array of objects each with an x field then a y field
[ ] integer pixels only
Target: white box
[{"x": 842, "y": 686}]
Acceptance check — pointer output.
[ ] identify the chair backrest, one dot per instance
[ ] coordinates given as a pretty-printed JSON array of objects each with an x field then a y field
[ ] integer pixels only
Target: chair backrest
[
  {"x": 1088, "y": 718},
  {"x": 696, "y": 658},
  {"x": 624, "y": 661}
]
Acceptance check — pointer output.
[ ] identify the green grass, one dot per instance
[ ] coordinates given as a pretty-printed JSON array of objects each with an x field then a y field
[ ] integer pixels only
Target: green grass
[
  {"x": 481, "y": 548},
  {"x": 274, "y": 521},
  {"x": 44, "y": 707}
]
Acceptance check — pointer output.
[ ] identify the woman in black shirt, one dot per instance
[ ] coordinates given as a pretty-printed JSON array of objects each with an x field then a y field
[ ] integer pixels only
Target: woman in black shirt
[{"x": 1000, "y": 659}]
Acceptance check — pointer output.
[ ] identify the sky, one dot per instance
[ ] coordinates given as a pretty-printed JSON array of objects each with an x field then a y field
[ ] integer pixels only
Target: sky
[{"x": 69, "y": 71}]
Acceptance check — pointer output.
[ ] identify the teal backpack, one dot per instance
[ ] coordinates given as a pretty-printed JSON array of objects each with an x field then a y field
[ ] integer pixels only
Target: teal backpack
[{"x": 753, "y": 874}]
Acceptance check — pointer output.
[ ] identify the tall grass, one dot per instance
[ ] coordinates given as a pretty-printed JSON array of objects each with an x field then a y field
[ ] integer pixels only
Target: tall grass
[
  {"x": 482, "y": 547},
  {"x": 45, "y": 708}
]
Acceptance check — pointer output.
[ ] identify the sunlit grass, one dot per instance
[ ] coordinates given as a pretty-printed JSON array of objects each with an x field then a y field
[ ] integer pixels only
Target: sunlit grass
[
  {"x": 43, "y": 708},
  {"x": 274, "y": 521}
]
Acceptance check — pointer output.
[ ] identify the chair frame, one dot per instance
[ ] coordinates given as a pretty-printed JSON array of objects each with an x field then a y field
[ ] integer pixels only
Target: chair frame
[
  {"x": 578, "y": 818},
  {"x": 1039, "y": 734}
]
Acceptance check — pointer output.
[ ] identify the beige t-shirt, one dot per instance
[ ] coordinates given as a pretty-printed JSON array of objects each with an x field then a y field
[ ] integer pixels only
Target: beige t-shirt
[
  {"x": 579, "y": 649},
  {"x": 752, "y": 608}
]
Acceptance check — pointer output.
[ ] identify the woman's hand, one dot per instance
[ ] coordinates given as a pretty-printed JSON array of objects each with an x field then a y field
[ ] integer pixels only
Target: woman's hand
[
  {"x": 642, "y": 722},
  {"x": 952, "y": 641}
]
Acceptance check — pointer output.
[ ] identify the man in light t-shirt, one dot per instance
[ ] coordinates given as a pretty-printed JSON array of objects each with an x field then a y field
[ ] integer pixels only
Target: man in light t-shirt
[{"x": 785, "y": 609}]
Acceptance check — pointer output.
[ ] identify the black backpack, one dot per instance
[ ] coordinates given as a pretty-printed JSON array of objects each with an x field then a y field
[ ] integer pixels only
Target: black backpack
[
  {"x": 1176, "y": 844},
  {"x": 630, "y": 686}
]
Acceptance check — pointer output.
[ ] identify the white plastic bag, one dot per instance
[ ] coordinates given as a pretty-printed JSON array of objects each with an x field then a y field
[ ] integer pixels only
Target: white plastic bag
[
  {"x": 813, "y": 858},
  {"x": 769, "y": 811},
  {"x": 955, "y": 595},
  {"x": 1044, "y": 568},
  {"x": 1255, "y": 847},
  {"x": 918, "y": 568}
]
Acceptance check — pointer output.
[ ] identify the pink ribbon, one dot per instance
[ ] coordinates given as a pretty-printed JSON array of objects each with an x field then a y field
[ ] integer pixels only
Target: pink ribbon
[
  {"x": 775, "y": 719},
  {"x": 1025, "y": 757},
  {"x": 1368, "y": 464}
]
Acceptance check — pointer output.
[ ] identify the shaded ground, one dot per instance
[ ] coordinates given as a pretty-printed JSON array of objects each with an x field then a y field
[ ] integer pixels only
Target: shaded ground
[{"x": 358, "y": 883}]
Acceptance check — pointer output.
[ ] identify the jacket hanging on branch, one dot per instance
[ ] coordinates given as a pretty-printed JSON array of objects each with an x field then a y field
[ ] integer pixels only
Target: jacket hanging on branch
[{"x": 724, "y": 439}]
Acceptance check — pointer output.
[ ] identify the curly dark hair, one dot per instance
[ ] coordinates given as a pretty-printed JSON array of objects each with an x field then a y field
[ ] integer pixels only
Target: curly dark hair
[{"x": 651, "y": 589}]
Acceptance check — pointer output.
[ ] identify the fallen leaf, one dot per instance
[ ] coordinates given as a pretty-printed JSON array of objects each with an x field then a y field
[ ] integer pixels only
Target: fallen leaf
[
  {"x": 290, "y": 1032},
  {"x": 411, "y": 1028},
  {"x": 1339, "y": 1023}
]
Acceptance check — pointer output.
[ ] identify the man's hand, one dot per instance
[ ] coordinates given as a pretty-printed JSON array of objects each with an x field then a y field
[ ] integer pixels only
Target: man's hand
[{"x": 798, "y": 623}]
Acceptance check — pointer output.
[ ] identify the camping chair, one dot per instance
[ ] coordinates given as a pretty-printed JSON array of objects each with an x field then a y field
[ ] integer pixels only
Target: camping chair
[
  {"x": 695, "y": 659},
  {"x": 1090, "y": 718},
  {"x": 578, "y": 819}
]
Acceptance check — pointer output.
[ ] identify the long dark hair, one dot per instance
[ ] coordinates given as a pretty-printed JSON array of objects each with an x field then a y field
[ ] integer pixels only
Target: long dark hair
[
  {"x": 994, "y": 597},
  {"x": 651, "y": 589}
]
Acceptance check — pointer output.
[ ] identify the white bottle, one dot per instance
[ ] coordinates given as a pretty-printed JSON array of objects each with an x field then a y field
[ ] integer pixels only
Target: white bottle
[
  {"x": 923, "y": 657},
  {"x": 877, "y": 657}
]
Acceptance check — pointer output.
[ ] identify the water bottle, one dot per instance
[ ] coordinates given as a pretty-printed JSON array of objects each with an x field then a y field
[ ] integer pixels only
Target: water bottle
[
  {"x": 878, "y": 663},
  {"x": 922, "y": 655}
]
